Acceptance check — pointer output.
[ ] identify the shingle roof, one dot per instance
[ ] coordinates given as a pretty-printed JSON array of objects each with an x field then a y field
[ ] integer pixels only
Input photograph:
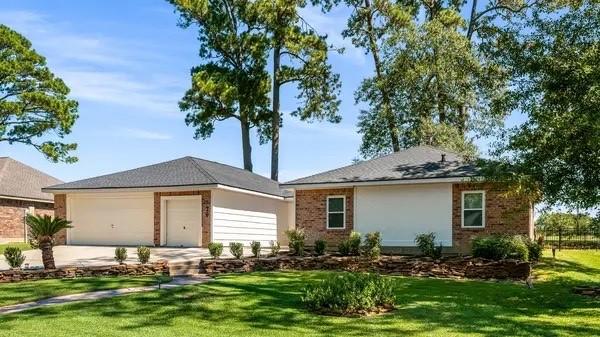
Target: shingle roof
[
  {"x": 186, "y": 171},
  {"x": 22, "y": 181},
  {"x": 421, "y": 162}
]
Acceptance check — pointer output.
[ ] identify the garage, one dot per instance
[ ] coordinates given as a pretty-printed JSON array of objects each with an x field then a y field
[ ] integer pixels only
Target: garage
[
  {"x": 111, "y": 219},
  {"x": 181, "y": 221}
]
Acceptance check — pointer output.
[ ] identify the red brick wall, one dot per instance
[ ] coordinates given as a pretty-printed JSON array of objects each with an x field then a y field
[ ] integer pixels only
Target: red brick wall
[
  {"x": 12, "y": 217},
  {"x": 206, "y": 214},
  {"x": 60, "y": 211},
  {"x": 311, "y": 215},
  {"x": 503, "y": 215}
]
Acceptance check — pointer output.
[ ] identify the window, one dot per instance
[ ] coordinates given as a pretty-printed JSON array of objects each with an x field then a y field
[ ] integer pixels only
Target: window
[
  {"x": 336, "y": 212},
  {"x": 473, "y": 209}
]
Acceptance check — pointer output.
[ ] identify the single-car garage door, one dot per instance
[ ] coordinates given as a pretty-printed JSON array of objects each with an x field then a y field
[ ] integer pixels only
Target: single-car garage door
[{"x": 111, "y": 219}]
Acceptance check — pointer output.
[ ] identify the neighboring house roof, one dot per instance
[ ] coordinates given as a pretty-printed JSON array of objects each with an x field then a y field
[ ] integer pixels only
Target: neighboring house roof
[
  {"x": 421, "y": 162},
  {"x": 18, "y": 180},
  {"x": 186, "y": 171}
]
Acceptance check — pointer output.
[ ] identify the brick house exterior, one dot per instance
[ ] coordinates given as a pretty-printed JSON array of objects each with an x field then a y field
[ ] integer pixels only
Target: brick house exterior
[
  {"x": 12, "y": 216},
  {"x": 504, "y": 214}
]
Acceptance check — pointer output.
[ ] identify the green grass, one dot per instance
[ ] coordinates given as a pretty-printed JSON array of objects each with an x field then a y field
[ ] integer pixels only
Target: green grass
[
  {"x": 12, "y": 293},
  {"x": 22, "y": 245},
  {"x": 268, "y": 304}
]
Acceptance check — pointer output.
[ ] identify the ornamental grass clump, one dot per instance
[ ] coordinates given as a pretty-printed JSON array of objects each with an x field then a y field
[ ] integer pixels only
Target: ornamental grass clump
[
  {"x": 350, "y": 294},
  {"x": 275, "y": 247},
  {"x": 215, "y": 249},
  {"x": 499, "y": 247},
  {"x": 236, "y": 249},
  {"x": 14, "y": 257},
  {"x": 320, "y": 246}
]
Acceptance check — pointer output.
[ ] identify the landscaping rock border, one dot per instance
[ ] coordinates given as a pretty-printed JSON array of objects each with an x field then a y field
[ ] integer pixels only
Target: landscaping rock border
[
  {"x": 16, "y": 275},
  {"x": 448, "y": 267}
]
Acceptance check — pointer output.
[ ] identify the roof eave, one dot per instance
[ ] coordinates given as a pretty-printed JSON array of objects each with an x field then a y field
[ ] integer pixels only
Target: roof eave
[
  {"x": 58, "y": 190},
  {"x": 319, "y": 185}
]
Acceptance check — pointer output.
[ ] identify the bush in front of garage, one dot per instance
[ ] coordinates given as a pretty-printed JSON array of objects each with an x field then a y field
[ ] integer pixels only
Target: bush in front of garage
[
  {"x": 215, "y": 249},
  {"x": 236, "y": 249}
]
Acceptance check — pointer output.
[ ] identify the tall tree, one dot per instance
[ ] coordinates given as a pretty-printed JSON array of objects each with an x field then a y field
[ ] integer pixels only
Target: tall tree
[
  {"x": 439, "y": 84},
  {"x": 367, "y": 27},
  {"x": 33, "y": 102},
  {"x": 233, "y": 81},
  {"x": 300, "y": 57},
  {"x": 555, "y": 155}
]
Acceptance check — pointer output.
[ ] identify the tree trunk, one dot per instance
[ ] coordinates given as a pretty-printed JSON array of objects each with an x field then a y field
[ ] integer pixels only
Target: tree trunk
[
  {"x": 387, "y": 108},
  {"x": 246, "y": 147},
  {"x": 47, "y": 254},
  {"x": 275, "y": 120}
]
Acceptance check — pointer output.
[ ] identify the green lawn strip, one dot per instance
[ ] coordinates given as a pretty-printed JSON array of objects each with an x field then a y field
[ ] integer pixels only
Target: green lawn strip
[
  {"x": 24, "y": 246},
  {"x": 20, "y": 292},
  {"x": 268, "y": 304}
]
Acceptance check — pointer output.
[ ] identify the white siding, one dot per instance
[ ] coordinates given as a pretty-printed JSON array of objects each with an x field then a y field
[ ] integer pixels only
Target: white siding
[
  {"x": 111, "y": 219},
  {"x": 240, "y": 217},
  {"x": 400, "y": 212}
]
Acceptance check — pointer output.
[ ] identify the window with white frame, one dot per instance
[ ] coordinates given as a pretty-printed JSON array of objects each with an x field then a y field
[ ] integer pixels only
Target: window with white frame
[
  {"x": 336, "y": 212},
  {"x": 473, "y": 209}
]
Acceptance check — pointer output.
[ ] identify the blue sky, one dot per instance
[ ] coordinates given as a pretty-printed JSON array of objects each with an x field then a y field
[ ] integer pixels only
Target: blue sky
[{"x": 127, "y": 63}]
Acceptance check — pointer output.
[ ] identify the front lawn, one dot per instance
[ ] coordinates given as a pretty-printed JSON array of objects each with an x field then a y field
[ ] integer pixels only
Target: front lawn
[
  {"x": 268, "y": 304},
  {"x": 23, "y": 245},
  {"x": 12, "y": 293}
]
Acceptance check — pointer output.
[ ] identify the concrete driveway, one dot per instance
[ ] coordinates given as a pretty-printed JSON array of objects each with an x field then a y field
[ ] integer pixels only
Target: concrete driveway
[{"x": 104, "y": 255}]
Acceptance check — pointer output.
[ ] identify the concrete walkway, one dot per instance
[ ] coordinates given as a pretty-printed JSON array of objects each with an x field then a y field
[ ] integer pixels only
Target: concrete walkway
[{"x": 96, "y": 295}]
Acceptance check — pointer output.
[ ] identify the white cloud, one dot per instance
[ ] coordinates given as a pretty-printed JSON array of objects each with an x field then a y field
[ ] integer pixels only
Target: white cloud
[
  {"x": 101, "y": 69},
  {"x": 332, "y": 24},
  {"x": 143, "y": 134}
]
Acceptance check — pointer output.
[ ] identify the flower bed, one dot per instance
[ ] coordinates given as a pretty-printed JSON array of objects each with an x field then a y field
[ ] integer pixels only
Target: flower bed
[
  {"x": 17, "y": 275},
  {"x": 450, "y": 267}
]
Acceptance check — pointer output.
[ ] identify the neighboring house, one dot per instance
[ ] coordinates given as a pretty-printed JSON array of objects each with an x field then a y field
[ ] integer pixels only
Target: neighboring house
[
  {"x": 418, "y": 190},
  {"x": 184, "y": 202},
  {"x": 21, "y": 194},
  {"x": 192, "y": 202}
]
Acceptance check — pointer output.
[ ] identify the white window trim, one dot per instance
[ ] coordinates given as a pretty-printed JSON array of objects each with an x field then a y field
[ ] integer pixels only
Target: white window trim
[
  {"x": 343, "y": 197},
  {"x": 463, "y": 209}
]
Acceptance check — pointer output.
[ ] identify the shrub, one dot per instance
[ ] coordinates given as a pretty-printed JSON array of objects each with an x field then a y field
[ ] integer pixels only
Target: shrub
[
  {"x": 351, "y": 245},
  {"x": 372, "y": 245},
  {"x": 14, "y": 257},
  {"x": 498, "y": 247},
  {"x": 120, "y": 254},
  {"x": 426, "y": 243},
  {"x": 143, "y": 254},
  {"x": 255, "y": 247},
  {"x": 350, "y": 294},
  {"x": 296, "y": 238},
  {"x": 236, "y": 249},
  {"x": 275, "y": 247},
  {"x": 344, "y": 247},
  {"x": 320, "y": 246},
  {"x": 534, "y": 249},
  {"x": 354, "y": 240},
  {"x": 215, "y": 249}
]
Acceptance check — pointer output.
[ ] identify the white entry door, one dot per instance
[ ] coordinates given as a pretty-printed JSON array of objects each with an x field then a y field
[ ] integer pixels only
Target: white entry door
[{"x": 183, "y": 222}]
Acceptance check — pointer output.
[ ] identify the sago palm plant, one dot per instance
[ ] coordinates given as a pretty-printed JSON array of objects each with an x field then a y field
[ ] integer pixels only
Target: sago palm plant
[{"x": 42, "y": 229}]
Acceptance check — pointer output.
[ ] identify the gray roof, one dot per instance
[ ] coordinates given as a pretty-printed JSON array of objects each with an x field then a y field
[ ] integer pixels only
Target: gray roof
[
  {"x": 421, "y": 162},
  {"x": 186, "y": 171},
  {"x": 21, "y": 181}
]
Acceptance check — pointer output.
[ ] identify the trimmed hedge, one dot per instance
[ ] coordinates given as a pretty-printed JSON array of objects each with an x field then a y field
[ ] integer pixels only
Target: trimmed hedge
[{"x": 499, "y": 247}]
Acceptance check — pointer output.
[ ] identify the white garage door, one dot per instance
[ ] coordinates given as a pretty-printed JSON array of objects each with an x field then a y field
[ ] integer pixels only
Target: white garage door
[
  {"x": 400, "y": 212},
  {"x": 111, "y": 219},
  {"x": 244, "y": 218}
]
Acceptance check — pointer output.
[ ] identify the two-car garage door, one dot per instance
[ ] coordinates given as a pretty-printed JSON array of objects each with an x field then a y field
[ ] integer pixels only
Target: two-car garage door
[{"x": 111, "y": 219}]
